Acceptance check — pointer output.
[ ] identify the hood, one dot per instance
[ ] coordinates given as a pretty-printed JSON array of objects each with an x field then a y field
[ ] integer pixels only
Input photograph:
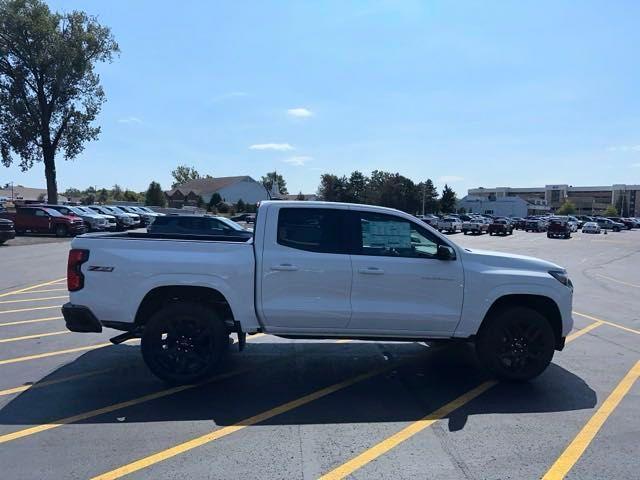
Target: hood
[{"x": 510, "y": 260}]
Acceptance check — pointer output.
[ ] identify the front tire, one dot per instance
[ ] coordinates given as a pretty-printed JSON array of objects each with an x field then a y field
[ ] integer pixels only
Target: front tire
[
  {"x": 184, "y": 343},
  {"x": 515, "y": 344},
  {"x": 61, "y": 231}
]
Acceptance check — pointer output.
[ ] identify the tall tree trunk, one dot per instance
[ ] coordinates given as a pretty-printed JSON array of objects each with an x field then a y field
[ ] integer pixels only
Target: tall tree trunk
[{"x": 50, "y": 174}]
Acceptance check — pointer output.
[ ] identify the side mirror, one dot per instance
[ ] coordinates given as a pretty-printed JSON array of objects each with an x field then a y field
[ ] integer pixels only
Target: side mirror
[{"x": 446, "y": 253}]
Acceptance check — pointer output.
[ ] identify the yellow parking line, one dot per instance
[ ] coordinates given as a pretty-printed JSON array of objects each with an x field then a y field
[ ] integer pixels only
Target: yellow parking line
[
  {"x": 101, "y": 411},
  {"x": 621, "y": 327},
  {"x": 53, "y": 354},
  {"x": 30, "y": 337},
  {"x": 42, "y": 291},
  {"x": 393, "y": 441},
  {"x": 223, "y": 432},
  {"x": 23, "y": 388},
  {"x": 32, "y": 287},
  {"x": 23, "y": 300},
  {"x": 582, "y": 331},
  {"x": 617, "y": 281},
  {"x": 28, "y": 309},
  {"x": 577, "y": 447},
  {"x": 35, "y": 320}
]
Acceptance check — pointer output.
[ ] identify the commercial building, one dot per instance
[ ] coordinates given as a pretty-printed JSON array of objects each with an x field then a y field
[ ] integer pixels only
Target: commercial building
[
  {"x": 19, "y": 194},
  {"x": 501, "y": 206},
  {"x": 588, "y": 200},
  {"x": 230, "y": 189}
]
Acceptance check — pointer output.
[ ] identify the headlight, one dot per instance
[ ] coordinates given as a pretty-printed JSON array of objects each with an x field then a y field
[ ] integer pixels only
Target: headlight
[{"x": 562, "y": 277}]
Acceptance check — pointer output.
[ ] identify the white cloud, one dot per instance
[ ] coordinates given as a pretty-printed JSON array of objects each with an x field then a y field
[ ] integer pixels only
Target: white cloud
[
  {"x": 279, "y": 147},
  {"x": 298, "y": 160},
  {"x": 625, "y": 148},
  {"x": 450, "y": 179},
  {"x": 300, "y": 112},
  {"x": 130, "y": 120}
]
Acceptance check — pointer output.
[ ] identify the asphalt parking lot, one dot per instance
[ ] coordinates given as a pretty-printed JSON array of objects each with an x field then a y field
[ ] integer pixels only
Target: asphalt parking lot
[{"x": 74, "y": 406}]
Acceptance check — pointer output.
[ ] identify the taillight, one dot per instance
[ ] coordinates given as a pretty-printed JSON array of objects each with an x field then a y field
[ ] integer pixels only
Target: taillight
[{"x": 75, "y": 278}]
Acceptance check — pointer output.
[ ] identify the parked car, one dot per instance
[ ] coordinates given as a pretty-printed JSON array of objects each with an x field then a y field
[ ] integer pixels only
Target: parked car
[
  {"x": 146, "y": 218},
  {"x": 559, "y": 227},
  {"x": 449, "y": 224},
  {"x": 518, "y": 223},
  {"x": 198, "y": 225},
  {"x": 111, "y": 220},
  {"x": 608, "y": 224},
  {"x": 44, "y": 220},
  {"x": 500, "y": 226},
  {"x": 577, "y": 222},
  {"x": 317, "y": 270},
  {"x": 476, "y": 225},
  {"x": 92, "y": 221},
  {"x": 123, "y": 220},
  {"x": 137, "y": 221},
  {"x": 628, "y": 224},
  {"x": 430, "y": 219},
  {"x": 7, "y": 230},
  {"x": 535, "y": 225},
  {"x": 245, "y": 217},
  {"x": 590, "y": 227}
]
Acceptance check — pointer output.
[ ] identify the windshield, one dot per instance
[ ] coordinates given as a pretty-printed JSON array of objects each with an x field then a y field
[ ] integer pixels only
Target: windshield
[
  {"x": 52, "y": 212},
  {"x": 231, "y": 224}
]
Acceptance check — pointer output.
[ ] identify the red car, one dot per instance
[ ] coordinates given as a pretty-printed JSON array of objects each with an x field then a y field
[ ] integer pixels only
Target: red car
[{"x": 44, "y": 220}]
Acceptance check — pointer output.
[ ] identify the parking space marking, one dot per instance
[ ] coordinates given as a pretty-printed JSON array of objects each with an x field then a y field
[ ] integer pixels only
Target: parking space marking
[
  {"x": 30, "y": 337},
  {"x": 391, "y": 442},
  {"x": 32, "y": 287},
  {"x": 247, "y": 422},
  {"x": 53, "y": 354},
  {"x": 621, "y": 327},
  {"x": 23, "y": 388},
  {"x": 396, "y": 439},
  {"x": 577, "y": 447},
  {"x": 47, "y": 290},
  {"x": 617, "y": 281},
  {"x": 28, "y": 309},
  {"x": 24, "y": 300},
  {"x": 110, "y": 408},
  {"x": 35, "y": 320}
]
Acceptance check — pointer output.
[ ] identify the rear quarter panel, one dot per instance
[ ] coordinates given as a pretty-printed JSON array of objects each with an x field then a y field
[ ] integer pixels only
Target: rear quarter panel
[{"x": 139, "y": 266}]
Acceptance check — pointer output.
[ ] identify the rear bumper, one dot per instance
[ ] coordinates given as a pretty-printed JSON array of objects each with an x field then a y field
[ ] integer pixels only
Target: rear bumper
[
  {"x": 7, "y": 235},
  {"x": 80, "y": 319}
]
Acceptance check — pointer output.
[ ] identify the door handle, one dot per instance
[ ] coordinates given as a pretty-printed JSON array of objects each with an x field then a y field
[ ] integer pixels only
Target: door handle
[
  {"x": 284, "y": 267},
  {"x": 371, "y": 271}
]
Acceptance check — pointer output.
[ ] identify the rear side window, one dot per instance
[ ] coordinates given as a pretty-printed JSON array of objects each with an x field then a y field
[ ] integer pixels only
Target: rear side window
[{"x": 312, "y": 229}]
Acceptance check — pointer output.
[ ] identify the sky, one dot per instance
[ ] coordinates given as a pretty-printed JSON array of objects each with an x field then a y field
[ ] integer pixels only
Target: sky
[{"x": 505, "y": 93}]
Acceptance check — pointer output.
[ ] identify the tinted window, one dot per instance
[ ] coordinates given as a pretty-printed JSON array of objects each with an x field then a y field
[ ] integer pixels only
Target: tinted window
[
  {"x": 312, "y": 229},
  {"x": 390, "y": 236}
]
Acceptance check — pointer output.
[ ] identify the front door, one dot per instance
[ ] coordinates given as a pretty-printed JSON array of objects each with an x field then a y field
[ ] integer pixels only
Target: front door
[
  {"x": 305, "y": 272},
  {"x": 400, "y": 287}
]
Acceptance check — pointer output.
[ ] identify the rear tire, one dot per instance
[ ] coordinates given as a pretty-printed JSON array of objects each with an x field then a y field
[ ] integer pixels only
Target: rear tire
[
  {"x": 184, "y": 343},
  {"x": 515, "y": 344}
]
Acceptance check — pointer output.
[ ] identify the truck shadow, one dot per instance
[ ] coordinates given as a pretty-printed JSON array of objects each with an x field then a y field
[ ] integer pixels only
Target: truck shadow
[{"x": 412, "y": 381}]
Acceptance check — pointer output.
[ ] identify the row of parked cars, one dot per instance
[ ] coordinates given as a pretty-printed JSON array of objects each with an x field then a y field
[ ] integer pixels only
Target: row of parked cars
[
  {"x": 554, "y": 225},
  {"x": 68, "y": 220}
]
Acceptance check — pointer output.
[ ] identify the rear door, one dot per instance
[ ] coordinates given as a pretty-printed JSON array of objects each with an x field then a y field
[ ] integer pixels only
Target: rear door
[
  {"x": 400, "y": 287},
  {"x": 305, "y": 273}
]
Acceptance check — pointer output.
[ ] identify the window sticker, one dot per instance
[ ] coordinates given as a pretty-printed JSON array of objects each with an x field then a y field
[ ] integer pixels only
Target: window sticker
[{"x": 386, "y": 234}]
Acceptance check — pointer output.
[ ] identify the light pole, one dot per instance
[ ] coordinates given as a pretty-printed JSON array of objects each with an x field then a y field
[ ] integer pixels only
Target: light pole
[{"x": 424, "y": 193}]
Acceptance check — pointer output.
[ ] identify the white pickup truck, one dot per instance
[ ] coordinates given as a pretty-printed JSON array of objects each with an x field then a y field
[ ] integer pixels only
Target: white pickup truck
[{"x": 316, "y": 270}]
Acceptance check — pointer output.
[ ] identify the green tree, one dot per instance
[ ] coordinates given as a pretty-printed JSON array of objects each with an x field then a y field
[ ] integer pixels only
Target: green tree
[
  {"x": 182, "y": 174},
  {"x": 214, "y": 201},
  {"x": 88, "y": 199},
  {"x": 155, "y": 195},
  {"x": 240, "y": 205},
  {"x": 333, "y": 188},
  {"x": 50, "y": 94},
  {"x": 269, "y": 178},
  {"x": 300, "y": 197},
  {"x": 103, "y": 195},
  {"x": 358, "y": 187},
  {"x": 429, "y": 196},
  {"x": 116, "y": 193},
  {"x": 448, "y": 200},
  {"x": 567, "y": 208},
  {"x": 131, "y": 196},
  {"x": 222, "y": 207},
  {"x": 611, "y": 211},
  {"x": 72, "y": 192}
]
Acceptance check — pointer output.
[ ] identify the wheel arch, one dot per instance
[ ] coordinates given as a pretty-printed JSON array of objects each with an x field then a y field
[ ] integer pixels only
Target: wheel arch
[
  {"x": 158, "y": 297},
  {"x": 544, "y": 305}
]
